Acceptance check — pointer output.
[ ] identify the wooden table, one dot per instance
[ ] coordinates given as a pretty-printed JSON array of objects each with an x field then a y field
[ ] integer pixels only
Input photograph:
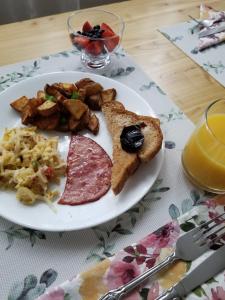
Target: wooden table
[{"x": 185, "y": 82}]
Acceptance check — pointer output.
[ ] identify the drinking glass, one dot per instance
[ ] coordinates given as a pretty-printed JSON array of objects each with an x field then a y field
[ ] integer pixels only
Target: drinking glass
[
  {"x": 95, "y": 49},
  {"x": 203, "y": 157}
]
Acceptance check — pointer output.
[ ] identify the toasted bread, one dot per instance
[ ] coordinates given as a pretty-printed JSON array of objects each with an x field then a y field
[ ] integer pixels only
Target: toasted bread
[{"x": 124, "y": 163}]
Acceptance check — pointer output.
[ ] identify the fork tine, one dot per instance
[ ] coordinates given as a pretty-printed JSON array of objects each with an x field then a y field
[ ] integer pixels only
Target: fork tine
[
  {"x": 218, "y": 230},
  {"x": 207, "y": 240},
  {"x": 201, "y": 229},
  {"x": 216, "y": 239},
  {"x": 211, "y": 221}
]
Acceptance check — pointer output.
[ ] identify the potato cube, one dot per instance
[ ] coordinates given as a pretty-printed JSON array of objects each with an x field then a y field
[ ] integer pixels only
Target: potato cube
[
  {"x": 76, "y": 108},
  {"x": 20, "y": 103},
  {"x": 47, "y": 108}
]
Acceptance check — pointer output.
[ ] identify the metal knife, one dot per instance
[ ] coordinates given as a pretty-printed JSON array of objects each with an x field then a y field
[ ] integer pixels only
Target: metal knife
[
  {"x": 211, "y": 31},
  {"x": 210, "y": 267}
]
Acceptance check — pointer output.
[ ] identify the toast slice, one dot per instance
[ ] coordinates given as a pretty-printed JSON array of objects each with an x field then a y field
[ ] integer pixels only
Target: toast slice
[{"x": 124, "y": 163}]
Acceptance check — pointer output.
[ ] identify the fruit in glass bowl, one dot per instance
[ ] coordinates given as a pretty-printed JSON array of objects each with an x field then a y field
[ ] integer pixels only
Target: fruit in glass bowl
[{"x": 96, "y": 33}]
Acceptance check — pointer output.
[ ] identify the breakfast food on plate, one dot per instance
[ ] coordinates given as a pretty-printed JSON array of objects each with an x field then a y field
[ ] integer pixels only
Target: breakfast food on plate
[
  {"x": 61, "y": 106},
  {"x": 28, "y": 163},
  {"x": 95, "y": 39},
  {"x": 65, "y": 106},
  {"x": 88, "y": 172},
  {"x": 135, "y": 139}
]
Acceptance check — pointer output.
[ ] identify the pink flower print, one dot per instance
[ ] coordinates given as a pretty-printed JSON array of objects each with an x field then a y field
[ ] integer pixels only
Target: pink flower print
[
  {"x": 163, "y": 237},
  {"x": 139, "y": 254},
  {"x": 214, "y": 214},
  {"x": 56, "y": 294},
  {"x": 218, "y": 293},
  {"x": 210, "y": 203},
  {"x": 120, "y": 273},
  {"x": 153, "y": 291}
]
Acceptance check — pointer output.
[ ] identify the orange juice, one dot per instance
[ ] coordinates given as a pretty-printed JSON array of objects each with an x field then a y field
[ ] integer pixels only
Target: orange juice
[{"x": 204, "y": 155}]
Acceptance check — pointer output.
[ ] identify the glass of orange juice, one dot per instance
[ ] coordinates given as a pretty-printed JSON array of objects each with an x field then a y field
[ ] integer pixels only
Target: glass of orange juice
[{"x": 203, "y": 157}]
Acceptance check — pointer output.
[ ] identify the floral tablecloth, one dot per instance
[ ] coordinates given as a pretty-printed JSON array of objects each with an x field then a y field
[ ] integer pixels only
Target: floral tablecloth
[{"x": 33, "y": 261}]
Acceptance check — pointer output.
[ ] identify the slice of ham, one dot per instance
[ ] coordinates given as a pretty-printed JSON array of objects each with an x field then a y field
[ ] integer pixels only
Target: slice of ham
[{"x": 88, "y": 172}]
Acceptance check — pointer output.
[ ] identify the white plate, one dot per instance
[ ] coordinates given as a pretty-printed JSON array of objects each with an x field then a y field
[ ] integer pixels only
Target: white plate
[{"x": 40, "y": 216}]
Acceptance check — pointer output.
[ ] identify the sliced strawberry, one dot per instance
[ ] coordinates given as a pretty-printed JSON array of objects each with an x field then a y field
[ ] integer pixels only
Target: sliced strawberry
[
  {"x": 106, "y": 27},
  {"x": 94, "y": 48},
  {"x": 111, "y": 39},
  {"x": 87, "y": 27},
  {"x": 112, "y": 43},
  {"x": 80, "y": 41}
]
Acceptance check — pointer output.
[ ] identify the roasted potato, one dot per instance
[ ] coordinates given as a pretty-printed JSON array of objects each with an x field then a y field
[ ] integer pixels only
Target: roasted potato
[
  {"x": 76, "y": 108},
  {"x": 94, "y": 101},
  {"x": 75, "y": 125},
  {"x": 20, "y": 103},
  {"x": 65, "y": 106},
  {"x": 30, "y": 110},
  {"x": 27, "y": 115},
  {"x": 41, "y": 95},
  {"x": 47, "y": 108},
  {"x": 93, "y": 124},
  {"x": 82, "y": 94},
  {"x": 90, "y": 121},
  {"x": 52, "y": 91},
  {"x": 90, "y": 87},
  {"x": 83, "y": 82},
  {"x": 93, "y": 89},
  {"x": 47, "y": 123},
  {"x": 66, "y": 89},
  {"x": 108, "y": 95}
]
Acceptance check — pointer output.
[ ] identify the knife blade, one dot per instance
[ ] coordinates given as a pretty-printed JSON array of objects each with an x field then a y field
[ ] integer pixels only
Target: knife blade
[
  {"x": 210, "y": 267},
  {"x": 211, "y": 31}
]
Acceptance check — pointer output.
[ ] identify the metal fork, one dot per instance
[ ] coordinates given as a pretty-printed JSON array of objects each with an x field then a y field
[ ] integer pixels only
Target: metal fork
[{"x": 188, "y": 247}]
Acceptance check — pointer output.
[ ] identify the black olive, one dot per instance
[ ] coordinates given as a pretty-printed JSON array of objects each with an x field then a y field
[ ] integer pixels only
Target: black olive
[{"x": 131, "y": 138}]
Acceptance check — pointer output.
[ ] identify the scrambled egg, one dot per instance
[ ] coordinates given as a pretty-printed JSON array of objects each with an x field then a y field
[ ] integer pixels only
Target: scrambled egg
[{"x": 28, "y": 163}]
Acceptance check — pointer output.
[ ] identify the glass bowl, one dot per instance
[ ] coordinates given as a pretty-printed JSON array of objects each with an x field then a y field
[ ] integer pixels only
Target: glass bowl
[{"x": 96, "y": 34}]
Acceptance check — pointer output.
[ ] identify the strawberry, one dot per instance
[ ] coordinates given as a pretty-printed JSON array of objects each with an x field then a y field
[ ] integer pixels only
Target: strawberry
[
  {"x": 94, "y": 48},
  {"x": 106, "y": 27},
  {"x": 87, "y": 27},
  {"x": 80, "y": 41},
  {"x": 111, "y": 39}
]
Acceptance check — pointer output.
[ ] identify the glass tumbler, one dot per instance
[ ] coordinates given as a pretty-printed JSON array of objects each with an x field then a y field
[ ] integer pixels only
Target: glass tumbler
[{"x": 203, "y": 157}]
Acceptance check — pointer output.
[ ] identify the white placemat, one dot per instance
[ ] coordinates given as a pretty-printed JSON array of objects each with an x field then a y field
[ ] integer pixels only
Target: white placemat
[
  {"x": 212, "y": 59},
  {"x": 32, "y": 261}
]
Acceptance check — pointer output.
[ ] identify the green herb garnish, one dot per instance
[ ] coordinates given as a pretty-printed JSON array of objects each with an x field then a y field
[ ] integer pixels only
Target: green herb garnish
[
  {"x": 75, "y": 95},
  {"x": 63, "y": 121},
  {"x": 35, "y": 165},
  {"x": 50, "y": 97}
]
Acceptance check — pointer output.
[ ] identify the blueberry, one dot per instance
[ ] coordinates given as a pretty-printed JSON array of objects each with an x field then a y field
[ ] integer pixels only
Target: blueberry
[{"x": 97, "y": 27}]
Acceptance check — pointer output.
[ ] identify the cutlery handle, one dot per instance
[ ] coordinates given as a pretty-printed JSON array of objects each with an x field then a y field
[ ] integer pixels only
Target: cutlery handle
[
  {"x": 170, "y": 294},
  {"x": 140, "y": 279}
]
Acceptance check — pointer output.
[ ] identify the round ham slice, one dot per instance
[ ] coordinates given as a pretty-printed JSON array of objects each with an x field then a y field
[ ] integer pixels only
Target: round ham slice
[{"x": 88, "y": 172}]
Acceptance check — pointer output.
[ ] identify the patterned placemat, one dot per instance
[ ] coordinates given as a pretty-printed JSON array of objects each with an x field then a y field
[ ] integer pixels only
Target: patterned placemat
[
  {"x": 136, "y": 258},
  {"x": 32, "y": 260},
  {"x": 185, "y": 37}
]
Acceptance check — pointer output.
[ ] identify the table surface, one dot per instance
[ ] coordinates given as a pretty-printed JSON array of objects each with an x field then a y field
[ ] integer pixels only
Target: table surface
[{"x": 189, "y": 86}]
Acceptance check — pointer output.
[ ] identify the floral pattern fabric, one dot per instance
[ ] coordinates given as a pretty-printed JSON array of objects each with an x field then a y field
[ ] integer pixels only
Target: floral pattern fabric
[
  {"x": 137, "y": 258},
  {"x": 207, "y": 51},
  {"x": 33, "y": 261},
  {"x": 218, "y": 18}
]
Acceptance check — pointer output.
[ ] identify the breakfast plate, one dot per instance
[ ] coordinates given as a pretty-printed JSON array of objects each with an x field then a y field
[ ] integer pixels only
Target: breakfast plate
[{"x": 64, "y": 217}]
